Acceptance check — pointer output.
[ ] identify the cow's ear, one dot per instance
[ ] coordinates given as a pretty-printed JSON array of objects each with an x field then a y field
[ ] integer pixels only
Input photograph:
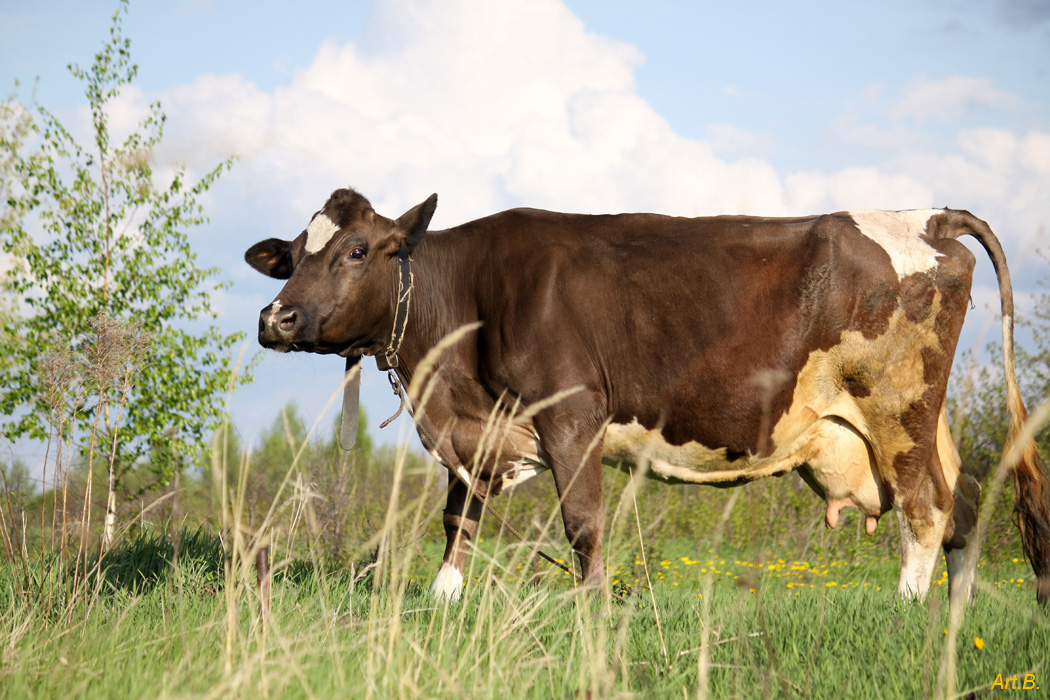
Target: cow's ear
[
  {"x": 272, "y": 257},
  {"x": 413, "y": 223}
]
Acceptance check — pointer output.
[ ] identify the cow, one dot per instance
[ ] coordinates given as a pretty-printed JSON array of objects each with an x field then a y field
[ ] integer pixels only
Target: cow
[{"x": 714, "y": 350}]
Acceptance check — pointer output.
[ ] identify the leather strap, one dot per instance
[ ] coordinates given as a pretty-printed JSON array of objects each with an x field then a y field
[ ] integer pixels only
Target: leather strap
[
  {"x": 388, "y": 360},
  {"x": 351, "y": 400}
]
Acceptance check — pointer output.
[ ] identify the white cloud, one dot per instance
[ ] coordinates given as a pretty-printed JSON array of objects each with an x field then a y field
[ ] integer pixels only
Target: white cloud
[
  {"x": 995, "y": 148},
  {"x": 729, "y": 140},
  {"x": 863, "y": 188},
  {"x": 491, "y": 104},
  {"x": 806, "y": 192},
  {"x": 1035, "y": 152},
  {"x": 495, "y": 105},
  {"x": 952, "y": 97},
  {"x": 957, "y": 180},
  {"x": 999, "y": 175},
  {"x": 231, "y": 117}
]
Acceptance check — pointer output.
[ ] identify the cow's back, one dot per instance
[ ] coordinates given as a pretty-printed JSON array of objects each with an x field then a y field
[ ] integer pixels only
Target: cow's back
[{"x": 715, "y": 341}]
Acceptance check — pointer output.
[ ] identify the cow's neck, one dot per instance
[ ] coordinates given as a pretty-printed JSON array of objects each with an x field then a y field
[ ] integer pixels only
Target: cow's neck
[
  {"x": 443, "y": 268},
  {"x": 403, "y": 289}
]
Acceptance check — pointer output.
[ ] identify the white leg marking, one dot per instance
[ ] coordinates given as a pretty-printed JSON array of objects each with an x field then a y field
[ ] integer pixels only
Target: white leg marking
[
  {"x": 962, "y": 572},
  {"x": 319, "y": 232},
  {"x": 918, "y": 559},
  {"x": 448, "y": 584}
]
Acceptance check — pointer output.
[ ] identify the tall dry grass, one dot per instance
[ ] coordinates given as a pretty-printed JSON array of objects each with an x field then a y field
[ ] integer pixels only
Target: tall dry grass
[{"x": 367, "y": 628}]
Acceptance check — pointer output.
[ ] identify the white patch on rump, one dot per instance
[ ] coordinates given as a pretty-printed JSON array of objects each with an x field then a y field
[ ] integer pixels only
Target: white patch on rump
[
  {"x": 900, "y": 235},
  {"x": 448, "y": 584},
  {"x": 319, "y": 232}
]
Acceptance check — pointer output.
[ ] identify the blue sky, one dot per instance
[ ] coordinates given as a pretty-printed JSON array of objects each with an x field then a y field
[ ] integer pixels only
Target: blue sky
[{"x": 686, "y": 108}]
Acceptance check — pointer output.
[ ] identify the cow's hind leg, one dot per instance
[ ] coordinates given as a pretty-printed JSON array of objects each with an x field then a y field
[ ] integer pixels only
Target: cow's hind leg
[
  {"x": 961, "y": 546},
  {"x": 923, "y": 504},
  {"x": 921, "y": 537},
  {"x": 462, "y": 513},
  {"x": 924, "y": 512}
]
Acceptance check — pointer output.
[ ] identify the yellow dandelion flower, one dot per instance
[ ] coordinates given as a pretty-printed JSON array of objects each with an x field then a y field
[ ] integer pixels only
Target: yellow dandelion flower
[{"x": 978, "y": 642}]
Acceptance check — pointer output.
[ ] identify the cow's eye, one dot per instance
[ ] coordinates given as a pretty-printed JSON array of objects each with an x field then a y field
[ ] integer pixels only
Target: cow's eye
[{"x": 356, "y": 254}]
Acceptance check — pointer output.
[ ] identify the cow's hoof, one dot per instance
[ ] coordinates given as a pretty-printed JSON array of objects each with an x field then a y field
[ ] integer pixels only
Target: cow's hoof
[{"x": 448, "y": 584}]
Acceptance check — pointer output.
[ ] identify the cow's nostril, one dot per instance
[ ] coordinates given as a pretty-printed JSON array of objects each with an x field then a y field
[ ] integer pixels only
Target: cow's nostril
[{"x": 287, "y": 323}]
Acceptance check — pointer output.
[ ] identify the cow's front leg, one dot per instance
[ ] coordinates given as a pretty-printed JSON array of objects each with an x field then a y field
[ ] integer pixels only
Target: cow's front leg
[
  {"x": 461, "y": 523},
  {"x": 574, "y": 449}
]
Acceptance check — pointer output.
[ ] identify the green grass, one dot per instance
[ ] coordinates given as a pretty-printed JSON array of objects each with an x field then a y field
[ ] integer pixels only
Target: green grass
[
  {"x": 755, "y": 600},
  {"x": 780, "y": 627}
]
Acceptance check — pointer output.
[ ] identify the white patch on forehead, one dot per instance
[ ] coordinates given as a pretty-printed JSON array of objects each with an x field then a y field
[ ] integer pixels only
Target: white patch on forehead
[
  {"x": 900, "y": 235},
  {"x": 319, "y": 232}
]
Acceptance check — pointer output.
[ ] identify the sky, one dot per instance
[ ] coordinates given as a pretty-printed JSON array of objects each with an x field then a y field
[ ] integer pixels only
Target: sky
[{"x": 674, "y": 107}]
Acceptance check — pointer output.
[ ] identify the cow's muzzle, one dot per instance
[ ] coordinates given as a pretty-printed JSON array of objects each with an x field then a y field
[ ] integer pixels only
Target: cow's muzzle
[{"x": 285, "y": 328}]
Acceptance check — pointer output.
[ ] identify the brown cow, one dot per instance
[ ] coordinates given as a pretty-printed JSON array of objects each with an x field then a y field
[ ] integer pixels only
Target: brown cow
[{"x": 709, "y": 350}]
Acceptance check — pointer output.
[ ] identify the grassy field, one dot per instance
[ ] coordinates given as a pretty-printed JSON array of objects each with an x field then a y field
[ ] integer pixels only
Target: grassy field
[
  {"x": 704, "y": 598},
  {"x": 178, "y": 617}
]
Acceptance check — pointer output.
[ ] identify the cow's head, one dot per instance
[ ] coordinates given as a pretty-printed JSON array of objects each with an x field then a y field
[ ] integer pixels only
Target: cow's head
[{"x": 342, "y": 277}]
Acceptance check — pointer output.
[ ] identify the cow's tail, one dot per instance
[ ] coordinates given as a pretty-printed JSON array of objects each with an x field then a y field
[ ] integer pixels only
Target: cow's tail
[{"x": 1032, "y": 506}]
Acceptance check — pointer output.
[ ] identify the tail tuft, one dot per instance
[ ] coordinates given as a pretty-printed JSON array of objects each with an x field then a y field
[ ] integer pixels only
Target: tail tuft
[{"x": 1032, "y": 516}]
